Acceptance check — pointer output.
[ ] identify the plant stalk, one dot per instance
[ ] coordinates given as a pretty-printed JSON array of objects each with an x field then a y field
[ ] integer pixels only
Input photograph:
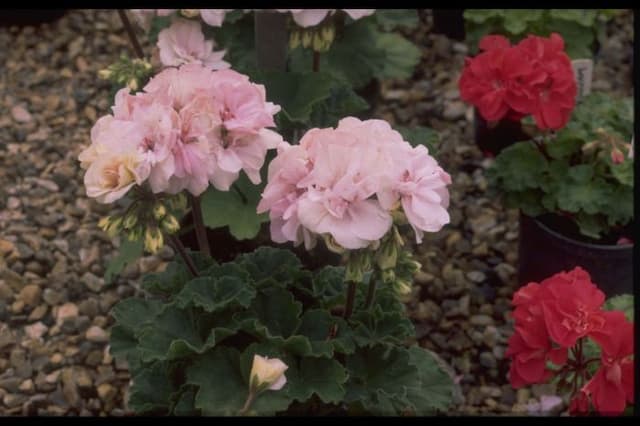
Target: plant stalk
[
  {"x": 351, "y": 296},
  {"x": 177, "y": 245},
  {"x": 245, "y": 408},
  {"x": 198, "y": 223},
  {"x": 316, "y": 61},
  {"x": 132, "y": 35},
  {"x": 371, "y": 292}
]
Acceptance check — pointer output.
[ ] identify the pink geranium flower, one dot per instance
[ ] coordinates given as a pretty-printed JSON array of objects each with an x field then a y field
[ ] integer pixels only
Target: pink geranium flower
[{"x": 184, "y": 43}]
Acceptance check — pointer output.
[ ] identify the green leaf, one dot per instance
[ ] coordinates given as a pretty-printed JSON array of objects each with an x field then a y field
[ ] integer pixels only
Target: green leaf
[
  {"x": 122, "y": 342},
  {"x": 480, "y": 16},
  {"x": 584, "y": 17},
  {"x": 320, "y": 376},
  {"x": 623, "y": 172},
  {"x": 228, "y": 208},
  {"x": 237, "y": 36},
  {"x": 435, "y": 391},
  {"x": 329, "y": 286},
  {"x": 151, "y": 390},
  {"x": 565, "y": 144},
  {"x": 380, "y": 368},
  {"x": 174, "y": 335},
  {"x": 420, "y": 135},
  {"x": 128, "y": 252},
  {"x": 133, "y": 313},
  {"x": 223, "y": 388},
  {"x": 623, "y": 302},
  {"x": 169, "y": 281},
  {"x": 273, "y": 264},
  {"x": 401, "y": 55},
  {"x": 297, "y": 92},
  {"x": 277, "y": 311},
  {"x": 517, "y": 20},
  {"x": 578, "y": 40},
  {"x": 342, "y": 102},
  {"x": 518, "y": 167},
  {"x": 158, "y": 23},
  {"x": 390, "y": 19},
  {"x": 381, "y": 326},
  {"x": 216, "y": 294},
  {"x": 325, "y": 333},
  {"x": 185, "y": 402}
]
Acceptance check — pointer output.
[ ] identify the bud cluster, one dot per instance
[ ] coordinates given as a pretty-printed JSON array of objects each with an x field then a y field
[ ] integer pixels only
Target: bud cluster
[
  {"x": 319, "y": 38},
  {"x": 126, "y": 71},
  {"x": 146, "y": 219}
]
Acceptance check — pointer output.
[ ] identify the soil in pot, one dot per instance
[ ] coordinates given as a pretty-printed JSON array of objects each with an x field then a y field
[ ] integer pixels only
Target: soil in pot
[
  {"x": 225, "y": 248},
  {"x": 550, "y": 244}
]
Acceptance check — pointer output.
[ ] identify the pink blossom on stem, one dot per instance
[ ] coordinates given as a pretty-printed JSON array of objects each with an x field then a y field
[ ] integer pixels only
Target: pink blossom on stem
[{"x": 184, "y": 43}]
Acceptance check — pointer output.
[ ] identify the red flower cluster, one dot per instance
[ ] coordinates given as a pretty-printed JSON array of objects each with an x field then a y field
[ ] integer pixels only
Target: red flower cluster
[
  {"x": 534, "y": 77},
  {"x": 555, "y": 316}
]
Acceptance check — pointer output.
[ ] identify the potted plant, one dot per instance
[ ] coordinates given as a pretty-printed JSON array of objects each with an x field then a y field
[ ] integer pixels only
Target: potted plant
[
  {"x": 581, "y": 30},
  {"x": 574, "y": 189},
  {"x": 263, "y": 333}
]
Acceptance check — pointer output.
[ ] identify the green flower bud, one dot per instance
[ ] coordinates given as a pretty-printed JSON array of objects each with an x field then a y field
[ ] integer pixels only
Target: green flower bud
[
  {"x": 136, "y": 233},
  {"x": 130, "y": 220},
  {"x": 359, "y": 262},
  {"x": 104, "y": 223},
  {"x": 294, "y": 39},
  {"x": 170, "y": 224},
  {"x": 153, "y": 239},
  {"x": 307, "y": 38},
  {"x": 388, "y": 276},
  {"x": 114, "y": 227},
  {"x": 328, "y": 34},
  {"x": 332, "y": 244},
  {"x": 318, "y": 42},
  {"x": 105, "y": 74},
  {"x": 159, "y": 211},
  {"x": 402, "y": 287}
]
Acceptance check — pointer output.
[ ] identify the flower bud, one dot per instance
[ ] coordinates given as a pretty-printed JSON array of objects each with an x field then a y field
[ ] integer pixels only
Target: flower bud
[
  {"x": 294, "y": 40},
  {"x": 399, "y": 218},
  {"x": 114, "y": 227},
  {"x": 328, "y": 34},
  {"x": 318, "y": 42},
  {"x": 153, "y": 240},
  {"x": 170, "y": 224},
  {"x": 105, "y": 74},
  {"x": 159, "y": 211},
  {"x": 104, "y": 223},
  {"x": 402, "y": 287},
  {"x": 190, "y": 13},
  {"x": 388, "y": 276},
  {"x": 307, "y": 38},
  {"x": 133, "y": 84},
  {"x": 136, "y": 233},
  {"x": 130, "y": 220},
  {"x": 387, "y": 256},
  {"x": 617, "y": 157},
  {"x": 267, "y": 374},
  {"x": 359, "y": 262},
  {"x": 332, "y": 245}
]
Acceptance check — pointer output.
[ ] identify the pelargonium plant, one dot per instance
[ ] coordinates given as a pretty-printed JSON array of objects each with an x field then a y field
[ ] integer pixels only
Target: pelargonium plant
[
  {"x": 564, "y": 335},
  {"x": 262, "y": 334}
]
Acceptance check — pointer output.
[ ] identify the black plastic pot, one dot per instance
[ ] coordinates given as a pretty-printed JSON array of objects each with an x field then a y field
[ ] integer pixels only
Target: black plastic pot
[
  {"x": 33, "y": 17},
  {"x": 493, "y": 139},
  {"x": 544, "y": 252},
  {"x": 449, "y": 22}
]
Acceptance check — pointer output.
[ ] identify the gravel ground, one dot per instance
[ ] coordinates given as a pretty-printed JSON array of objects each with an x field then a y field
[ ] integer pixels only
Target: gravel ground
[{"x": 54, "y": 302}]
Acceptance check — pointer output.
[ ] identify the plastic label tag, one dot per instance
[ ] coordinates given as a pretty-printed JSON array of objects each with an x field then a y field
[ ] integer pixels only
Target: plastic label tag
[{"x": 583, "y": 71}]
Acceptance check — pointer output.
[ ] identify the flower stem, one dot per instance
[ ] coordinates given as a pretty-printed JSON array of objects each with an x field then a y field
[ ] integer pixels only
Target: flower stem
[
  {"x": 351, "y": 296},
  {"x": 198, "y": 223},
  {"x": 132, "y": 35},
  {"x": 245, "y": 408},
  {"x": 177, "y": 245},
  {"x": 371, "y": 292},
  {"x": 316, "y": 61}
]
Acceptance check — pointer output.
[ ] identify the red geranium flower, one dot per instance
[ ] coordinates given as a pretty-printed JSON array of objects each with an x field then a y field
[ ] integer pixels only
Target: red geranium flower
[
  {"x": 612, "y": 385},
  {"x": 554, "y": 81},
  {"x": 495, "y": 81},
  {"x": 572, "y": 306},
  {"x": 579, "y": 405}
]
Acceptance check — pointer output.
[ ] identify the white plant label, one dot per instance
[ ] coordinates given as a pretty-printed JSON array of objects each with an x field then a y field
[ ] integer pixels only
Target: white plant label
[{"x": 583, "y": 71}]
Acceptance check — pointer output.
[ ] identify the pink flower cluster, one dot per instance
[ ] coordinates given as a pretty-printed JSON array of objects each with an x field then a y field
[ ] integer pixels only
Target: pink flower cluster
[
  {"x": 184, "y": 43},
  {"x": 213, "y": 17},
  {"x": 312, "y": 17},
  {"x": 189, "y": 127},
  {"x": 345, "y": 182}
]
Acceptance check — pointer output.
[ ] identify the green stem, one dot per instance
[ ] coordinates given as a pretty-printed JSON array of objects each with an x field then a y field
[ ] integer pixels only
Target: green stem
[
  {"x": 177, "y": 245},
  {"x": 351, "y": 296},
  {"x": 371, "y": 292},
  {"x": 198, "y": 223},
  {"x": 132, "y": 34},
  {"x": 316, "y": 61},
  {"x": 245, "y": 408}
]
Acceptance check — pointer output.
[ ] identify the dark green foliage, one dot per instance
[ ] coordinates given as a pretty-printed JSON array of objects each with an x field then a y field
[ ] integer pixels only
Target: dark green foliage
[{"x": 190, "y": 351}]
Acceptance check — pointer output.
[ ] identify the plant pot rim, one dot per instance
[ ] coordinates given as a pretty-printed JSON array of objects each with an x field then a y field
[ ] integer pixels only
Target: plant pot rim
[{"x": 607, "y": 247}]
